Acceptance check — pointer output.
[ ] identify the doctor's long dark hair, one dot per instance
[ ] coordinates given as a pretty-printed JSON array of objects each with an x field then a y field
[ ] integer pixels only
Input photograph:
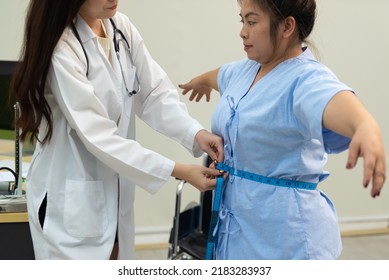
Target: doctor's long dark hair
[{"x": 45, "y": 22}]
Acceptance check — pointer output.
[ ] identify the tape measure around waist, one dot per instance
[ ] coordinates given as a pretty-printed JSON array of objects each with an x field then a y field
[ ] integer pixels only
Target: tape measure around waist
[
  {"x": 249, "y": 176},
  {"x": 266, "y": 180}
]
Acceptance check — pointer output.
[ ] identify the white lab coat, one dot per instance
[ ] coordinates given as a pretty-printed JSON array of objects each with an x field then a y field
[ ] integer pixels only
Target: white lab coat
[{"x": 91, "y": 165}]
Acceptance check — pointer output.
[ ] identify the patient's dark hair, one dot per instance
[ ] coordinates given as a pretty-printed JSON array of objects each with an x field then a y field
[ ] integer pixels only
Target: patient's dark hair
[{"x": 303, "y": 11}]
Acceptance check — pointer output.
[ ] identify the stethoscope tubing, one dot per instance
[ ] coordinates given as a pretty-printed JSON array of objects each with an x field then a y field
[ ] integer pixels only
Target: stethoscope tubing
[{"x": 116, "y": 43}]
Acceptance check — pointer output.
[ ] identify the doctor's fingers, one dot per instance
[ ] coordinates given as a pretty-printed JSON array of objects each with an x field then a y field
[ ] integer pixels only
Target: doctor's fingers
[
  {"x": 206, "y": 183},
  {"x": 211, "y": 183},
  {"x": 211, "y": 172},
  {"x": 216, "y": 151},
  {"x": 211, "y": 144}
]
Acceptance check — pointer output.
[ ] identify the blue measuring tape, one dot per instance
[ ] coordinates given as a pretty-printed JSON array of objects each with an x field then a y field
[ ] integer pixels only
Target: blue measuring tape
[
  {"x": 249, "y": 176},
  {"x": 266, "y": 180},
  {"x": 214, "y": 217}
]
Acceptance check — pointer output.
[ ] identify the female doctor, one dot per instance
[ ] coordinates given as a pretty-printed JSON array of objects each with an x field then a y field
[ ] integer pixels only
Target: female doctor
[{"x": 84, "y": 75}]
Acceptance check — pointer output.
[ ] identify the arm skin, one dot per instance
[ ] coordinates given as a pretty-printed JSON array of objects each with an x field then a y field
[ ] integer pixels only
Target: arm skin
[
  {"x": 201, "y": 85},
  {"x": 211, "y": 144},
  {"x": 201, "y": 177},
  {"x": 346, "y": 115}
]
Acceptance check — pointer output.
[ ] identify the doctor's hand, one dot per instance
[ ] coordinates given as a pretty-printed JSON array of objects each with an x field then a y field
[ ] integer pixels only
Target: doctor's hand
[
  {"x": 201, "y": 177},
  {"x": 211, "y": 144}
]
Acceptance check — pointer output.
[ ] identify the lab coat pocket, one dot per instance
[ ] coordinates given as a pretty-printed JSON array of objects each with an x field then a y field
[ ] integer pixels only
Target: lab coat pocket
[{"x": 85, "y": 213}]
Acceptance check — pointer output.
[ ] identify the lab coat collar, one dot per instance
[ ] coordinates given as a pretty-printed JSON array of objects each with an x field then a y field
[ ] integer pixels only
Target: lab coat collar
[
  {"x": 83, "y": 29},
  {"x": 86, "y": 32}
]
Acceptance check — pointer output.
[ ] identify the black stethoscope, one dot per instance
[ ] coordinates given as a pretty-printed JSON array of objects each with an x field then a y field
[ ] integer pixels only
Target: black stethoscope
[{"x": 116, "y": 42}]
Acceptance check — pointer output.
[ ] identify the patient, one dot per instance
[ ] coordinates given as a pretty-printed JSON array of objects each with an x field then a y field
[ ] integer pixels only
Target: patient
[{"x": 280, "y": 113}]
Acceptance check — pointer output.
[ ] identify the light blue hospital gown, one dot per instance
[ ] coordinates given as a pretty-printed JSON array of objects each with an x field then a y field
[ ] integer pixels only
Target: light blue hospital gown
[{"x": 275, "y": 130}]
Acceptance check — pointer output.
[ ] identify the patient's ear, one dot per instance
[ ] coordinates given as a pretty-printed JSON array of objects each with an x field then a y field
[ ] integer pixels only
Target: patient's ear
[{"x": 289, "y": 27}]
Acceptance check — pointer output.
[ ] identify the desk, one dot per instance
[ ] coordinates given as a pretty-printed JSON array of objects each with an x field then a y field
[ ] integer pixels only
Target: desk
[
  {"x": 21, "y": 217},
  {"x": 15, "y": 237}
]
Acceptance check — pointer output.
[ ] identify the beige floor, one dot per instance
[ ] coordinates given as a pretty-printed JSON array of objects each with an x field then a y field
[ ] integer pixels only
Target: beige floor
[
  {"x": 372, "y": 247},
  {"x": 368, "y": 247}
]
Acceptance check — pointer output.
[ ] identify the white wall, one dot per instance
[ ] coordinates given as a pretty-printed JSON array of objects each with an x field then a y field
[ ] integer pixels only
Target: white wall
[
  {"x": 188, "y": 37},
  {"x": 11, "y": 31}
]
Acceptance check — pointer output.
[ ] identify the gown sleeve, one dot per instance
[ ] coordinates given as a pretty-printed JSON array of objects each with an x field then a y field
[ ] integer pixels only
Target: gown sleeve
[{"x": 313, "y": 92}]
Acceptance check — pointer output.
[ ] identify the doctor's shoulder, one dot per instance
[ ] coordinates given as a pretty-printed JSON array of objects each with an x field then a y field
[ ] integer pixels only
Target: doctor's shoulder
[{"x": 68, "y": 51}]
